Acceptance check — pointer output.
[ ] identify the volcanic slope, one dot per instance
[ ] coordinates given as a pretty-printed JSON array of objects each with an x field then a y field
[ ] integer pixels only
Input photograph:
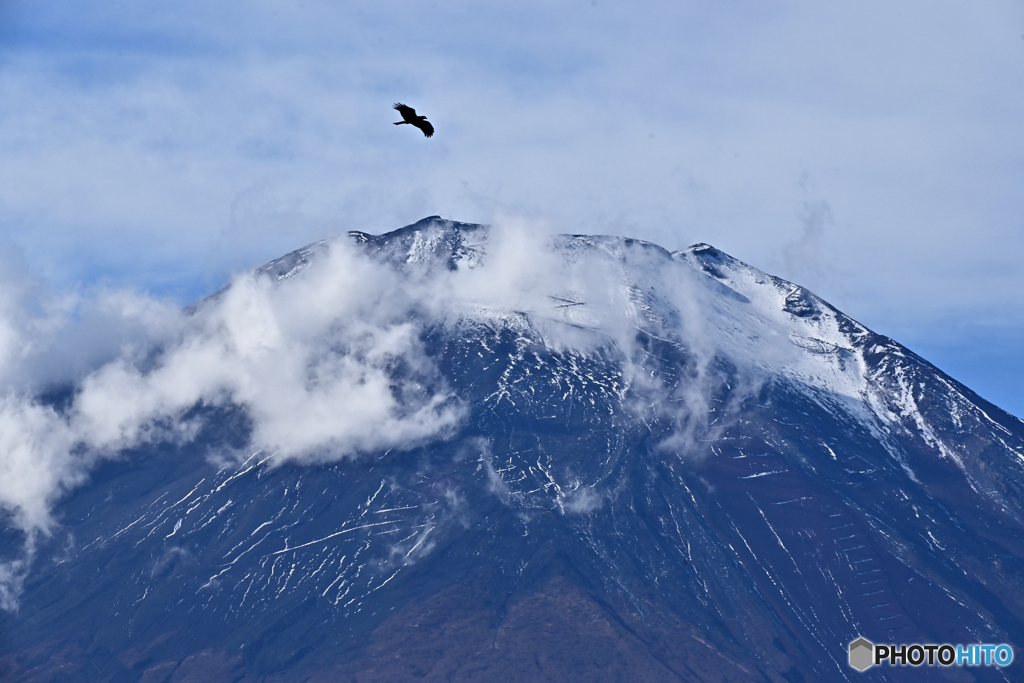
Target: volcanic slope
[{"x": 665, "y": 466}]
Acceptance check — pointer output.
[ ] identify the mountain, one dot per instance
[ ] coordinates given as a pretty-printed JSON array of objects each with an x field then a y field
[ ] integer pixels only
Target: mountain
[{"x": 603, "y": 461}]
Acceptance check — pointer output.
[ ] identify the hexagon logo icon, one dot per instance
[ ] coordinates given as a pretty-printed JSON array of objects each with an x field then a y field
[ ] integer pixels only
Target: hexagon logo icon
[{"x": 862, "y": 654}]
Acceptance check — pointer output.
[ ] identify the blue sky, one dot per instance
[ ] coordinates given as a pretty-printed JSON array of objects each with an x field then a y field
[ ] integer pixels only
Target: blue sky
[{"x": 872, "y": 151}]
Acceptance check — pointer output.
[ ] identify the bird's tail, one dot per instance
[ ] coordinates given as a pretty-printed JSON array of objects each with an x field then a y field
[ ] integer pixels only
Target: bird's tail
[{"x": 398, "y": 123}]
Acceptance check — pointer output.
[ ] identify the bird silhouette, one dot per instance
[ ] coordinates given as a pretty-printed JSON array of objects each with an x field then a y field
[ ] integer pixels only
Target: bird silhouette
[{"x": 409, "y": 116}]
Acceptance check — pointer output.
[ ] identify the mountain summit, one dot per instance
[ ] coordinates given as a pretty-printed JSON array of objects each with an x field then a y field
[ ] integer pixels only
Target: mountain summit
[{"x": 462, "y": 452}]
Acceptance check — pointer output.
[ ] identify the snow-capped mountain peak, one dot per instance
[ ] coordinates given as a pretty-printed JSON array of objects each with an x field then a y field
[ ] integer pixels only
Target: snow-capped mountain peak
[{"x": 406, "y": 455}]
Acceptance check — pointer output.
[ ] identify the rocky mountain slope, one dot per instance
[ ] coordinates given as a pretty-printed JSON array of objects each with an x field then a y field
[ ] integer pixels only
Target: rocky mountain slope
[{"x": 659, "y": 466}]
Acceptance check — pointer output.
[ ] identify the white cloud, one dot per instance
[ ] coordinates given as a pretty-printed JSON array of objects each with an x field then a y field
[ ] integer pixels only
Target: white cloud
[
  {"x": 582, "y": 500},
  {"x": 12, "y": 578},
  {"x": 312, "y": 360},
  {"x": 36, "y": 461},
  {"x": 327, "y": 365}
]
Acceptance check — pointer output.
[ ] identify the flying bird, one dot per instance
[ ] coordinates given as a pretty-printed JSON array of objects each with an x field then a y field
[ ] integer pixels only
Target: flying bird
[{"x": 409, "y": 116}]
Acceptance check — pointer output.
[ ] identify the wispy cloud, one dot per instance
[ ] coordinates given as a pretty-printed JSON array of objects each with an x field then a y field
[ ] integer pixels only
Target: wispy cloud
[{"x": 804, "y": 260}]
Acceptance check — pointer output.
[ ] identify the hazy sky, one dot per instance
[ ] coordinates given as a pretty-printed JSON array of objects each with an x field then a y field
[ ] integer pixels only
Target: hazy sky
[{"x": 873, "y": 151}]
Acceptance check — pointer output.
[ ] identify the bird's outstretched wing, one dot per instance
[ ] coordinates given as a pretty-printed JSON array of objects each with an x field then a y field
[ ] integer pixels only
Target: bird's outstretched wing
[
  {"x": 424, "y": 125},
  {"x": 407, "y": 112}
]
